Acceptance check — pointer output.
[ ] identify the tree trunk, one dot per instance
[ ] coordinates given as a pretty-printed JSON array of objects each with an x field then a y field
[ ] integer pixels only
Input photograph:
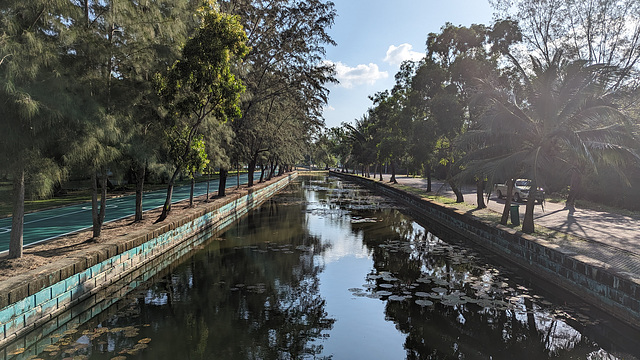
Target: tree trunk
[
  {"x": 393, "y": 173},
  {"x": 261, "y": 172},
  {"x": 250, "y": 170},
  {"x": 193, "y": 185},
  {"x": 167, "y": 202},
  {"x": 272, "y": 170},
  {"x": 456, "y": 190},
  {"x": 17, "y": 221},
  {"x": 381, "y": 167},
  {"x": 98, "y": 210},
  {"x": 507, "y": 203},
  {"x": 94, "y": 204},
  {"x": 222, "y": 185},
  {"x": 208, "y": 181},
  {"x": 237, "y": 174},
  {"x": 480, "y": 183},
  {"x": 140, "y": 173},
  {"x": 574, "y": 190},
  {"x": 428, "y": 178},
  {"x": 527, "y": 222}
]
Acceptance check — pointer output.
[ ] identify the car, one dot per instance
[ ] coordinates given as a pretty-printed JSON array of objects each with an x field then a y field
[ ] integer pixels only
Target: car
[{"x": 521, "y": 190}]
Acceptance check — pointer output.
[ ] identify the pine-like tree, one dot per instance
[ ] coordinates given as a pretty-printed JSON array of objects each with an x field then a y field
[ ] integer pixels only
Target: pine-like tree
[{"x": 33, "y": 100}]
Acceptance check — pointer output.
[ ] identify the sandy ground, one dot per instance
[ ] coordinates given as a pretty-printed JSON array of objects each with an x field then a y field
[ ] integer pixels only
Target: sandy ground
[{"x": 50, "y": 251}]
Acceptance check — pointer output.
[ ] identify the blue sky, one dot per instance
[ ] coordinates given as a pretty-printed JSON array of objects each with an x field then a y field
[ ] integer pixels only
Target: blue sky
[{"x": 374, "y": 36}]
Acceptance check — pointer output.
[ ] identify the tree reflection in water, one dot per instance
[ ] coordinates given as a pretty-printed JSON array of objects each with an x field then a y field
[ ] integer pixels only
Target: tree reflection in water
[
  {"x": 252, "y": 294},
  {"x": 478, "y": 312},
  {"x": 264, "y": 302}
]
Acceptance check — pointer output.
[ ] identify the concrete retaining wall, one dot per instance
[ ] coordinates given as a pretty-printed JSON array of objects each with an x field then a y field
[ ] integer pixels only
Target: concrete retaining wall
[
  {"x": 596, "y": 282},
  {"x": 35, "y": 298}
]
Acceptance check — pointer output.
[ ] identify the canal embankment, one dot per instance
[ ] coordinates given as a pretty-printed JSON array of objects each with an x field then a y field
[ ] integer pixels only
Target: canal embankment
[
  {"x": 604, "y": 276},
  {"x": 35, "y": 297}
]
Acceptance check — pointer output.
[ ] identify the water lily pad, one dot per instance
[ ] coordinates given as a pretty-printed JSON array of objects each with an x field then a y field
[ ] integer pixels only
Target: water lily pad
[
  {"x": 386, "y": 286},
  {"x": 396, "y": 298},
  {"x": 439, "y": 290},
  {"x": 423, "y": 302},
  {"x": 422, "y": 294},
  {"x": 383, "y": 293},
  {"x": 140, "y": 346},
  {"x": 440, "y": 282},
  {"x": 144, "y": 341},
  {"x": 449, "y": 302},
  {"x": 51, "y": 348},
  {"x": 485, "y": 303}
]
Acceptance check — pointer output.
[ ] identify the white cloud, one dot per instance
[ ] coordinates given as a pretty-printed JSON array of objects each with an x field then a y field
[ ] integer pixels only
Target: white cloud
[
  {"x": 329, "y": 108},
  {"x": 397, "y": 54},
  {"x": 361, "y": 74}
]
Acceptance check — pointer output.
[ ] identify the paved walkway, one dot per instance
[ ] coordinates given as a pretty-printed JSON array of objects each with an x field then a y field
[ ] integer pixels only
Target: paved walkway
[{"x": 608, "y": 239}]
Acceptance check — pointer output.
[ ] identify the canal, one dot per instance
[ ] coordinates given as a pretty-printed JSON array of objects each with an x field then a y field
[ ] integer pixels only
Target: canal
[{"x": 327, "y": 269}]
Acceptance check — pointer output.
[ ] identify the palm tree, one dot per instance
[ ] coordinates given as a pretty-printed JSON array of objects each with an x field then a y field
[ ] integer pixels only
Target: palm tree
[
  {"x": 362, "y": 142},
  {"x": 560, "y": 118}
]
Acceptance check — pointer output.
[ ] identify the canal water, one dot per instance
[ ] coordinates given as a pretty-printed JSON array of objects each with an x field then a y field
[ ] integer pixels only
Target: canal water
[{"x": 327, "y": 269}]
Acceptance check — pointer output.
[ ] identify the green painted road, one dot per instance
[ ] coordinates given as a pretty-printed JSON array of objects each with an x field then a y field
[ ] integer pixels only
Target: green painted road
[{"x": 48, "y": 224}]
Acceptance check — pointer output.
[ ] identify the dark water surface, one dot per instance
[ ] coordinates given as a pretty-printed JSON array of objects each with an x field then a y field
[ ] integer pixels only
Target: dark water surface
[{"x": 329, "y": 270}]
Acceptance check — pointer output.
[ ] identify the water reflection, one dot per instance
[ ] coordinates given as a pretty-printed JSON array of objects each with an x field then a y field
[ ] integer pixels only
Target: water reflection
[
  {"x": 329, "y": 270},
  {"x": 451, "y": 303}
]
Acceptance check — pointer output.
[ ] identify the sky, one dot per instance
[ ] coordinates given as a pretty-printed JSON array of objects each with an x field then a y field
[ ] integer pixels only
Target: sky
[{"x": 375, "y": 36}]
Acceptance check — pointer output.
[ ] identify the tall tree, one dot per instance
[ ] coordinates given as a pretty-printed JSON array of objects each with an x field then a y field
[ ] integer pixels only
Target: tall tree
[
  {"x": 437, "y": 105},
  {"x": 150, "y": 37},
  {"x": 284, "y": 72},
  {"x": 201, "y": 86},
  {"x": 34, "y": 101}
]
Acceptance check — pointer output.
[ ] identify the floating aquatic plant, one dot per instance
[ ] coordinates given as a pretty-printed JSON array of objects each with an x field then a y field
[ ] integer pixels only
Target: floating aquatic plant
[{"x": 423, "y": 302}]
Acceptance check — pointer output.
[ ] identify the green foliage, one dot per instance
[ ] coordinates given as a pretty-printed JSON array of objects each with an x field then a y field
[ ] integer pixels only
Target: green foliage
[
  {"x": 285, "y": 78},
  {"x": 200, "y": 87},
  {"x": 201, "y": 84}
]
